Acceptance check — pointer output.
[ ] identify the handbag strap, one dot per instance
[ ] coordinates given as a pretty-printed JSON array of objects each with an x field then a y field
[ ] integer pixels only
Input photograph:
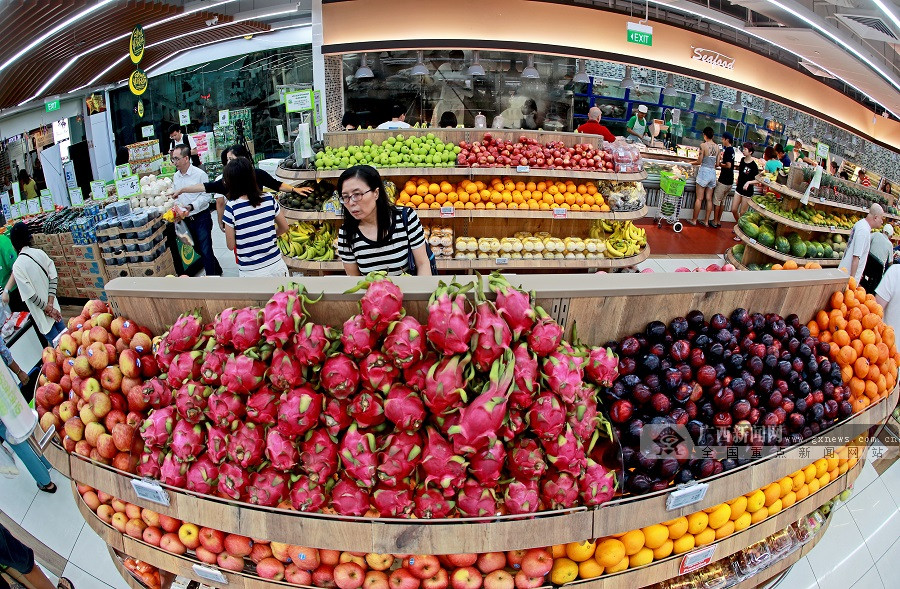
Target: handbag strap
[{"x": 39, "y": 265}]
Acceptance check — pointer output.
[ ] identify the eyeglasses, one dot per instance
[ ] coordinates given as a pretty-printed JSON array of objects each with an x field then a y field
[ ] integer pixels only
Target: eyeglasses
[
  {"x": 345, "y": 198},
  {"x": 176, "y": 159}
]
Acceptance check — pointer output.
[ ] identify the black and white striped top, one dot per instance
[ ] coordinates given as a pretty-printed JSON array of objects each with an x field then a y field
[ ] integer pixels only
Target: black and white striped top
[
  {"x": 390, "y": 256},
  {"x": 254, "y": 231}
]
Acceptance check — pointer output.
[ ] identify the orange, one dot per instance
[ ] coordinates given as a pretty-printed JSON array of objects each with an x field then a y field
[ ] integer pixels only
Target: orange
[
  {"x": 720, "y": 516},
  {"x": 759, "y": 515},
  {"x": 726, "y": 530},
  {"x": 664, "y": 551},
  {"x": 563, "y": 571},
  {"x": 822, "y": 319},
  {"x": 854, "y": 328},
  {"x": 558, "y": 550},
  {"x": 814, "y": 486},
  {"x": 643, "y": 557},
  {"x": 756, "y": 500},
  {"x": 633, "y": 541},
  {"x": 803, "y": 492},
  {"x": 697, "y": 522},
  {"x": 837, "y": 299},
  {"x": 685, "y": 543},
  {"x": 589, "y": 569},
  {"x": 738, "y": 507},
  {"x": 775, "y": 507},
  {"x": 790, "y": 265},
  {"x": 777, "y": 267},
  {"x": 841, "y": 338},
  {"x": 867, "y": 336},
  {"x": 847, "y": 355},
  {"x": 861, "y": 367},
  {"x": 772, "y": 493},
  {"x": 580, "y": 551},
  {"x": 789, "y": 499},
  {"x": 677, "y": 527},
  {"x": 786, "y": 484},
  {"x": 707, "y": 536},
  {"x": 743, "y": 522},
  {"x": 798, "y": 481},
  {"x": 655, "y": 536},
  {"x": 609, "y": 552},
  {"x": 621, "y": 566}
]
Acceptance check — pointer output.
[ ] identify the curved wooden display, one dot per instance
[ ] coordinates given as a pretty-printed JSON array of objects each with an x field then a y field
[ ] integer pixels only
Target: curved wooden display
[
  {"x": 789, "y": 223},
  {"x": 789, "y": 192},
  {"x": 290, "y": 175},
  {"x": 830, "y": 263},
  {"x": 729, "y": 257},
  {"x": 296, "y": 215},
  {"x": 129, "y": 580}
]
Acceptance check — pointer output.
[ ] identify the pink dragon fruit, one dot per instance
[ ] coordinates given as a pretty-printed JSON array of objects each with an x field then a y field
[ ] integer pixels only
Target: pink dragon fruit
[
  {"x": 404, "y": 408},
  {"x": 449, "y": 329},
  {"x": 545, "y": 335},
  {"x": 280, "y": 451},
  {"x": 187, "y": 441},
  {"x": 445, "y": 421},
  {"x": 486, "y": 464},
  {"x": 474, "y": 500},
  {"x": 514, "y": 304},
  {"x": 245, "y": 328},
  {"x": 559, "y": 490},
  {"x": 525, "y": 377},
  {"x": 359, "y": 457},
  {"x": 173, "y": 472},
  {"x": 482, "y": 418},
  {"x": 349, "y": 499},
  {"x": 202, "y": 476},
  {"x": 598, "y": 484},
  {"x": 224, "y": 409},
  {"x": 232, "y": 481},
  {"x": 394, "y": 501},
  {"x": 282, "y": 316},
  {"x": 377, "y": 373},
  {"x": 446, "y": 384},
  {"x": 335, "y": 416},
  {"x": 213, "y": 366},
  {"x": 313, "y": 343},
  {"x": 185, "y": 332},
  {"x": 262, "y": 407},
  {"x": 383, "y": 302},
  {"x": 565, "y": 453},
  {"x": 157, "y": 428},
  {"x": 415, "y": 375},
  {"x": 602, "y": 366},
  {"x": 357, "y": 339},
  {"x": 216, "y": 443},
  {"x": 405, "y": 342},
  {"x": 492, "y": 334},
  {"x": 366, "y": 409},
  {"x": 339, "y": 376},
  {"x": 513, "y": 424},
  {"x": 243, "y": 373},
  {"x": 151, "y": 460},
  {"x": 298, "y": 411},
  {"x": 184, "y": 366},
  {"x": 223, "y": 326},
  {"x": 562, "y": 375},
  {"x": 191, "y": 400},
  {"x": 583, "y": 419},
  {"x": 285, "y": 372},
  {"x": 246, "y": 445},
  {"x": 267, "y": 487},
  {"x": 156, "y": 393},
  {"x": 442, "y": 467},
  {"x": 163, "y": 353},
  {"x": 308, "y": 495},
  {"x": 431, "y": 504},
  {"x": 399, "y": 457},
  {"x": 547, "y": 417},
  {"x": 318, "y": 455},
  {"x": 521, "y": 496},
  {"x": 526, "y": 460}
]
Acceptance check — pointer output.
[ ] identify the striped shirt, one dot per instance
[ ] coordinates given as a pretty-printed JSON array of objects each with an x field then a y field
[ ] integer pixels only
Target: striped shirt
[
  {"x": 254, "y": 231},
  {"x": 392, "y": 255}
]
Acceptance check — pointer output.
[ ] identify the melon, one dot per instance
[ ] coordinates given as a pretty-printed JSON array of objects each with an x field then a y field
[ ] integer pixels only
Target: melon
[
  {"x": 765, "y": 237},
  {"x": 738, "y": 252},
  {"x": 751, "y": 229},
  {"x": 798, "y": 249},
  {"x": 753, "y": 267},
  {"x": 828, "y": 252},
  {"x": 782, "y": 245}
]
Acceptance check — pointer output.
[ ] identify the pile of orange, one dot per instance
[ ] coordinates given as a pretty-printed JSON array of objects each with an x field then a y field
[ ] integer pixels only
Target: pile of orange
[
  {"x": 861, "y": 343},
  {"x": 792, "y": 265},
  {"x": 502, "y": 193}
]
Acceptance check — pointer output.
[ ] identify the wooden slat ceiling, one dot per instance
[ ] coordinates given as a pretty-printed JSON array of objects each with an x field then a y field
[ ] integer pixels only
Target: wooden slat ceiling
[{"x": 22, "y": 21}]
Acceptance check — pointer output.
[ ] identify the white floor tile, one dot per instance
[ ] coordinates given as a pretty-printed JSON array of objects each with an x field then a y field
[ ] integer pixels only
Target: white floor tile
[
  {"x": 670, "y": 264},
  {"x": 871, "y": 580},
  {"x": 800, "y": 576},
  {"x": 16, "y": 494},
  {"x": 887, "y": 564},
  {"x": 90, "y": 554},
  {"x": 877, "y": 517},
  {"x": 652, "y": 264},
  {"x": 55, "y": 519},
  {"x": 865, "y": 478},
  {"x": 891, "y": 479},
  {"x": 840, "y": 558},
  {"x": 81, "y": 578}
]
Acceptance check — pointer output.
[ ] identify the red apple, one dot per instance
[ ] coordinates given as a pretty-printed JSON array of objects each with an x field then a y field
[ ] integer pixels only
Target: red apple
[
  {"x": 462, "y": 560},
  {"x": 491, "y": 561},
  {"x": 349, "y": 575},
  {"x": 379, "y": 562},
  {"x": 153, "y": 535},
  {"x": 466, "y": 578},
  {"x": 212, "y": 540},
  {"x": 270, "y": 568},
  {"x": 537, "y": 562},
  {"x": 499, "y": 580},
  {"x": 423, "y": 566},
  {"x": 238, "y": 545},
  {"x": 323, "y": 577},
  {"x": 304, "y": 557},
  {"x": 297, "y": 576},
  {"x": 119, "y": 521},
  {"x": 523, "y": 581},
  {"x": 204, "y": 555},
  {"x": 260, "y": 551},
  {"x": 403, "y": 579},
  {"x": 189, "y": 534},
  {"x": 441, "y": 580},
  {"x": 229, "y": 562}
]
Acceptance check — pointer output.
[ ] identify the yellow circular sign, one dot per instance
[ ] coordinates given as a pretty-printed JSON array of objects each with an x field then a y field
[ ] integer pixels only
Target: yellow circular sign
[
  {"x": 140, "y": 108},
  {"x": 136, "y": 44},
  {"x": 137, "y": 82}
]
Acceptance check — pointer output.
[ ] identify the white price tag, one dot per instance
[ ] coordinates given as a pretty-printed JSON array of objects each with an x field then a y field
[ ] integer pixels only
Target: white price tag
[
  {"x": 447, "y": 212},
  {"x": 832, "y": 227},
  {"x": 763, "y": 207},
  {"x": 523, "y": 169},
  {"x": 697, "y": 559},
  {"x": 123, "y": 171},
  {"x": 224, "y": 117},
  {"x": 47, "y": 203},
  {"x": 98, "y": 190},
  {"x": 331, "y": 207},
  {"x": 753, "y": 241},
  {"x": 149, "y": 490},
  {"x": 75, "y": 197},
  {"x": 147, "y": 131},
  {"x": 128, "y": 187},
  {"x": 501, "y": 261},
  {"x": 184, "y": 117},
  {"x": 34, "y": 207},
  {"x": 685, "y": 496},
  {"x": 210, "y": 574},
  {"x": 560, "y": 213}
]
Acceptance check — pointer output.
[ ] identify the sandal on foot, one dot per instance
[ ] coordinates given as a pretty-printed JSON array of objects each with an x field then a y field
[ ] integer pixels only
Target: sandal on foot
[
  {"x": 701, "y": 223},
  {"x": 736, "y": 238},
  {"x": 715, "y": 225},
  {"x": 691, "y": 223},
  {"x": 64, "y": 583},
  {"x": 48, "y": 488}
]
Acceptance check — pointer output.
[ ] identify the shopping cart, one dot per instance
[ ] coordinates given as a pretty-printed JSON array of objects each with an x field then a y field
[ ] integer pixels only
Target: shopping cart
[{"x": 670, "y": 200}]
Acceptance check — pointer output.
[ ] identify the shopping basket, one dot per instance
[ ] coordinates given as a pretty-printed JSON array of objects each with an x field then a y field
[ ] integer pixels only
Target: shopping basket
[{"x": 670, "y": 203}]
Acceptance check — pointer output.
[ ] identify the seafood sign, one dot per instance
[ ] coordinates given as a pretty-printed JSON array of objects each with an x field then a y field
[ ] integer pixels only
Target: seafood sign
[{"x": 713, "y": 58}]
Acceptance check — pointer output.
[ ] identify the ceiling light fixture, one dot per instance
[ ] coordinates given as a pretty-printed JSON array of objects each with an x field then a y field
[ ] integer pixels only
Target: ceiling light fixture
[
  {"x": 706, "y": 97},
  {"x": 364, "y": 70},
  {"x": 670, "y": 89},
  {"x": 419, "y": 69},
  {"x": 530, "y": 71},
  {"x": 476, "y": 69},
  {"x": 627, "y": 81},
  {"x": 581, "y": 76},
  {"x": 767, "y": 111},
  {"x": 738, "y": 102}
]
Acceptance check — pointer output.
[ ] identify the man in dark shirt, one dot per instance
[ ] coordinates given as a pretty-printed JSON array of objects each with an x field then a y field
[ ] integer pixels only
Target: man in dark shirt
[
  {"x": 726, "y": 178},
  {"x": 782, "y": 156},
  {"x": 178, "y": 138},
  {"x": 593, "y": 126}
]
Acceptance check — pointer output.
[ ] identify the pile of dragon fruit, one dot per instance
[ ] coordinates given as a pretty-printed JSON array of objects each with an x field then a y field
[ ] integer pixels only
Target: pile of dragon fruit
[{"x": 484, "y": 410}]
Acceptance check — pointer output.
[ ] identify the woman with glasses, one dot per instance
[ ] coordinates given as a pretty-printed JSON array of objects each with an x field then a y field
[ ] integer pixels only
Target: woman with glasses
[{"x": 375, "y": 235}]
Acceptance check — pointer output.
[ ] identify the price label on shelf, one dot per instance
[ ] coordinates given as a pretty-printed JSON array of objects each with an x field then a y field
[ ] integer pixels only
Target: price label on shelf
[
  {"x": 128, "y": 186},
  {"x": 501, "y": 261},
  {"x": 98, "y": 190},
  {"x": 560, "y": 213},
  {"x": 447, "y": 212},
  {"x": 75, "y": 197},
  {"x": 686, "y": 495},
  {"x": 832, "y": 227},
  {"x": 210, "y": 574},
  {"x": 753, "y": 241},
  {"x": 763, "y": 207},
  {"x": 697, "y": 559},
  {"x": 523, "y": 169},
  {"x": 149, "y": 490}
]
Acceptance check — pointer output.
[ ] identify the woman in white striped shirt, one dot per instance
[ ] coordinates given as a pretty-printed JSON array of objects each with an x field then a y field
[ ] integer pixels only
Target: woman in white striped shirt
[
  {"x": 375, "y": 235},
  {"x": 253, "y": 222}
]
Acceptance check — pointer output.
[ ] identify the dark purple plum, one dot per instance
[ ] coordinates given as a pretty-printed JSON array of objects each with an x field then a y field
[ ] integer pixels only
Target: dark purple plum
[
  {"x": 656, "y": 330},
  {"x": 718, "y": 321},
  {"x": 629, "y": 347}
]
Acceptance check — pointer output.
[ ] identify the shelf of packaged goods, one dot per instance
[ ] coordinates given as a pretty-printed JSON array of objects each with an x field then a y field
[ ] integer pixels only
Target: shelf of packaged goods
[
  {"x": 460, "y": 213},
  {"x": 791, "y": 193},
  {"x": 772, "y": 253},
  {"x": 729, "y": 257},
  {"x": 762, "y": 210},
  {"x": 461, "y": 172}
]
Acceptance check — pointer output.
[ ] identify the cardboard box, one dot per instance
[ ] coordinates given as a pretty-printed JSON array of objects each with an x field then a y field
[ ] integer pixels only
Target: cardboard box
[
  {"x": 92, "y": 293},
  {"x": 123, "y": 271},
  {"x": 161, "y": 266},
  {"x": 84, "y": 252},
  {"x": 90, "y": 281},
  {"x": 90, "y": 269},
  {"x": 40, "y": 239},
  {"x": 65, "y": 239}
]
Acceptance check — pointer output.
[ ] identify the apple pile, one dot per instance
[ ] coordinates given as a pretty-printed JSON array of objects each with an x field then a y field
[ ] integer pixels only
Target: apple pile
[
  {"x": 748, "y": 380},
  {"x": 493, "y": 152},
  {"x": 146, "y": 573}
]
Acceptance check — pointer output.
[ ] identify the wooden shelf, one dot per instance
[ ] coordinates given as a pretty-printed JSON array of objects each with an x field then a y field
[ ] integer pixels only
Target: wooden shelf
[
  {"x": 466, "y": 172},
  {"x": 762, "y": 210},
  {"x": 729, "y": 257},
  {"x": 789, "y": 192},
  {"x": 295, "y": 215},
  {"x": 772, "y": 253}
]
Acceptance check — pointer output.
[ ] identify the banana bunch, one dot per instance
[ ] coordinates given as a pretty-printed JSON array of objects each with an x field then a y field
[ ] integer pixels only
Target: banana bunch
[
  {"x": 309, "y": 241},
  {"x": 601, "y": 228},
  {"x": 625, "y": 240}
]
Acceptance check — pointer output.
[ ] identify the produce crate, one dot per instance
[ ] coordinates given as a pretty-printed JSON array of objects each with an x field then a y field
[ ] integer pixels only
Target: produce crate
[{"x": 164, "y": 265}]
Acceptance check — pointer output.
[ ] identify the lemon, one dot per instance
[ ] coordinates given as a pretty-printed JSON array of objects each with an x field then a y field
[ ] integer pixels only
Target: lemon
[
  {"x": 609, "y": 552},
  {"x": 697, "y": 522},
  {"x": 677, "y": 528},
  {"x": 655, "y": 536},
  {"x": 755, "y": 501},
  {"x": 564, "y": 571},
  {"x": 720, "y": 516}
]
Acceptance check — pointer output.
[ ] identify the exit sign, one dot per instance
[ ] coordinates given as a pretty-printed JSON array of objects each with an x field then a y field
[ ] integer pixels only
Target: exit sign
[
  {"x": 52, "y": 106},
  {"x": 639, "y": 34}
]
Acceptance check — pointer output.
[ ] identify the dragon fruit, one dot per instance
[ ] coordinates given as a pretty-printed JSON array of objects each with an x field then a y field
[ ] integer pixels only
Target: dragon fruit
[
  {"x": 313, "y": 343},
  {"x": 232, "y": 481},
  {"x": 399, "y": 457},
  {"x": 545, "y": 335},
  {"x": 366, "y": 409},
  {"x": 513, "y": 424},
  {"x": 318, "y": 455},
  {"x": 474, "y": 500},
  {"x": 156, "y": 393},
  {"x": 404, "y": 408},
  {"x": 285, "y": 372},
  {"x": 442, "y": 467},
  {"x": 349, "y": 499},
  {"x": 446, "y": 383},
  {"x": 223, "y": 326},
  {"x": 262, "y": 407},
  {"x": 559, "y": 490},
  {"x": 377, "y": 373},
  {"x": 405, "y": 342},
  {"x": 565, "y": 453},
  {"x": 526, "y": 460},
  {"x": 513, "y": 304},
  {"x": 280, "y": 451},
  {"x": 431, "y": 504},
  {"x": 224, "y": 409},
  {"x": 202, "y": 476},
  {"x": 307, "y": 495},
  {"x": 157, "y": 428},
  {"x": 185, "y": 332},
  {"x": 486, "y": 464},
  {"x": 394, "y": 501},
  {"x": 213, "y": 366},
  {"x": 216, "y": 443},
  {"x": 521, "y": 496},
  {"x": 445, "y": 421},
  {"x": 356, "y": 338},
  {"x": 243, "y": 373},
  {"x": 562, "y": 375},
  {"x": 598, "y": 484},
  {"x": 151, "y": 460},
  {"x": 191, "y": 400},
  {"x": 163, "y": 353},
  {"x": 282, "y": 316},
  {"x": 267, "y": 487},
  {"x": 383, "y": 302},
  {"x": 298, "y": 411},
  {"x": 449, "y": 329},
  {"x": 482, "y": 418},
  {"x": 173, "y": 472},
  {"x": 583, "y": 419},
  {"x": 245, "y": 328},
  {"x": 492, "y": 334},
  {"x": 339, "y": 376},
  {"x": 184, "y": 366},
  {"x": 246, "y": 445},
  {"x": 525, "y": 377},
  {"x": 187, "y": 441},
  {"x": 359, "y": 457},
  {"x": 547, "y": 417},
  {"x": 415, "y": 375},
  {"x": 335, "y": 416},
  {"x": 602, "y": 366}
]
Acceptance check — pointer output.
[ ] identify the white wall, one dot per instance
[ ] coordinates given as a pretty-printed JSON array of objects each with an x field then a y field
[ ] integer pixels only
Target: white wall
[{"x": 33, "y": 118}]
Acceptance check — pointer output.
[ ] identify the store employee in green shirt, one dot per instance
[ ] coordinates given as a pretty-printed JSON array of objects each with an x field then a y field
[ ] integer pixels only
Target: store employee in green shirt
[
  {"x": 7, "y": 257},
  {"x": 637, "y": 126}
]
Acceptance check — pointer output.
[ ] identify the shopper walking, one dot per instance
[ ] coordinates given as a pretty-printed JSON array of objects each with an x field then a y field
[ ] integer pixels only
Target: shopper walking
[
  {"x": 27, "y": 186},
  {"x": 253, "y": 222},
  {"x": 375, "y": 235},
  {"x": 398, "y": 119},
  {"x": 178, "y": 138},
  {"x": 782, "y": 156},
  {"x": 706, "y": 177},
  {"x": 38, "y": 466},
  {"x": 854, "y": 260},
  {"x": 593, "y": 126},
  {"x": 726, "y": 178},
  {"x": 17, "y": 556},
  {"x": 748, "y": 170},
  {"x": 194, "y": 208},
  {"x": 880, "y": 251}
]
